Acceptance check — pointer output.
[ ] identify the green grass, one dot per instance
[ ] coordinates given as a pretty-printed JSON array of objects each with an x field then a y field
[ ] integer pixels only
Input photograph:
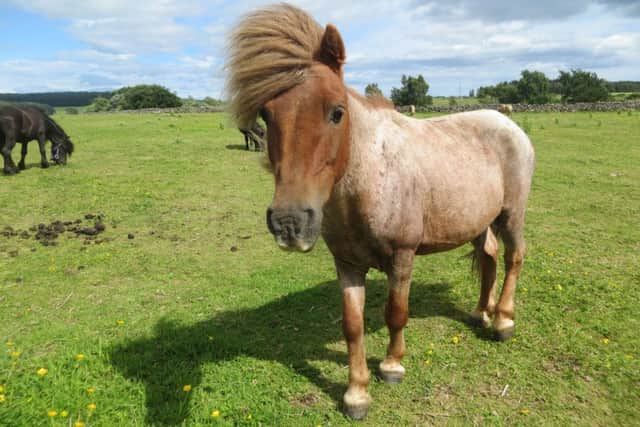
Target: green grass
[{"x": 202, "y": 296}]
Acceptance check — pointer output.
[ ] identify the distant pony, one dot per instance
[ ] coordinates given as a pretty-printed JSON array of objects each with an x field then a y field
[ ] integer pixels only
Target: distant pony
[
  {"x": 505, "y": 109},
  {"x": 24, "y": 124}
]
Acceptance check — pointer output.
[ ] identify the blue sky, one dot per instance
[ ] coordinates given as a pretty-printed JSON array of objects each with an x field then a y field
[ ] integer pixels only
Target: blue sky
[{"x": 51, "y": 45}]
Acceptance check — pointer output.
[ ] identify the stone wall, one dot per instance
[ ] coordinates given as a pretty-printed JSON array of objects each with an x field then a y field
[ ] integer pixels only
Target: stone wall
[{"x": 532, "y": 108}]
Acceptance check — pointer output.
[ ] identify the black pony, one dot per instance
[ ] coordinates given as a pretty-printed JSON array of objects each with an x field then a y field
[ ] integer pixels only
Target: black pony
[{"x": 24, "y": 124}]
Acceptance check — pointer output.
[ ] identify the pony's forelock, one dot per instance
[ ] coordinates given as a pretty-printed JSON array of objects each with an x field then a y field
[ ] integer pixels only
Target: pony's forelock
[{"x": 269, "y": 52}]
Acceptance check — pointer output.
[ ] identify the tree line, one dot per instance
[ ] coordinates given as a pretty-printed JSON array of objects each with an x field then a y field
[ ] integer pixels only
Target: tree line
[{"x": 533, "y": 87}]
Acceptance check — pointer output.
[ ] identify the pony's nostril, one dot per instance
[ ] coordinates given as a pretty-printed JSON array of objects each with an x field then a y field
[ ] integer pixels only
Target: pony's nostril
[{"x": 310, "y": 215}]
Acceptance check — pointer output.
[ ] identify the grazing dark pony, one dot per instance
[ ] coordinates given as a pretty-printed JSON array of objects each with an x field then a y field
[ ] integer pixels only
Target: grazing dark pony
[
  {"x": 24, "y": 124},
  {"x": 254, "y": 136},
  {"x": 380, "y": 187}
]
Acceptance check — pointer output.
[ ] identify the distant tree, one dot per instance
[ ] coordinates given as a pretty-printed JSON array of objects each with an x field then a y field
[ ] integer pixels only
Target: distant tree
[
  {"x": 507, "y": 92},
  {"x": 472, "y": 93},
  {"x": 533, "y": 87},
  {"x": 582, "y": 86},
  {"x": 372, "y": 90},
  {"x": 413, "y": 92},
  {"x": 99, "y": 104},
  {"x": 212, "y": 101},
  {"x": 145, "y": 96}
]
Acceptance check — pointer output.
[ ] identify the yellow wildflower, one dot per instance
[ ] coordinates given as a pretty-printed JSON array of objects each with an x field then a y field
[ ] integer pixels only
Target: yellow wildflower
[
  {"x": 430, "y": 352},
  {"x": 91, "y": 406},
  {"x": 1, "y": 388},
  {"x": 52, "y": 268},
  {"x": 248, "y": 417},
  {"x": 80, "y": 357},
  {"x": 15, "y": 354},
  {"x": 186, "y": 388},
  {"x": 524, "y": 411},
  {"x": 78, "y": 424},
  {"x": 215, "y": 414},
  {"x": 119, "y": 322},
  {"x": 64, "y": 414},
  {"x": 9, "y": 343},
  {"x": 1, "y": 398},
  {"x": 605, "y": 340},
  {"x": 91, "y": 390},
  {"x": 42, "y": 372},
  {"x": 455, "y": 339},
  {"x": 52, "y": 413},
  {"x": 427, "y": 362},
  {"x": 558, "y": 287}
]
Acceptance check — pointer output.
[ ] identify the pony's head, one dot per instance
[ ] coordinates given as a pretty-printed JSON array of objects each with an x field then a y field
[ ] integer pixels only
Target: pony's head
[
  {"x": 61, "y": 148},
  {"x": 286, "y": 68}
]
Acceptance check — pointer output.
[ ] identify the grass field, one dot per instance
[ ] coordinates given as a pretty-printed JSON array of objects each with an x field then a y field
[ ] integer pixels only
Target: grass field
[{"x": 186, "y": 312}]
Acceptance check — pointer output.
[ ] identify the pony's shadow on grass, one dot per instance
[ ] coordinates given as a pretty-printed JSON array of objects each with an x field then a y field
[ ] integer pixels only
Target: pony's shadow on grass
[
  {"x": 236, "y": 147},
  {"x": 291, "y": 330}
]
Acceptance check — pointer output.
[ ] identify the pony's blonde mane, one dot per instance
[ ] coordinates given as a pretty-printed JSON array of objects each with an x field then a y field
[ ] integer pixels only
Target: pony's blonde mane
[{"x": 269, "y": 52}]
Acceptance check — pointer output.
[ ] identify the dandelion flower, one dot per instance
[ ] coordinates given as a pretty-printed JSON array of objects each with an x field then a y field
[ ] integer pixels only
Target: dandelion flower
[
  {"x": 1, "y": 398},
  {"x": 80, "y": 357},
  {"x": 52, "y": 413},
  {"x": 91, "y": 406},
  {"x": 78, "y": 424},
  {"x": 119, "y": 322},
  {"x": 558, "y": 287},
  {"x": 9, "y": 343},
  {"x": 64, "y": 414},
  {"x": 524, "y": 411},
  {"x": 186, "y": 388},
  {"x": 427, "y": 362},
  {"x": 605, "y": 340},
  {"x": 430, "y": 352},
  {"x": 248, "y": 417},
  {"x": 15, "y": 354},
  {"x": 91, "y": 390},
  {"x": 215, "y": 414},
  {"x": 42, "y": 372},
  {"x": 455, "y": 339}
]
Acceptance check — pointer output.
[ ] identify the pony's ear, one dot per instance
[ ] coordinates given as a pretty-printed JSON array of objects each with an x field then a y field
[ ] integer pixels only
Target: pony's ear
[{"x": 331, "y": 52}]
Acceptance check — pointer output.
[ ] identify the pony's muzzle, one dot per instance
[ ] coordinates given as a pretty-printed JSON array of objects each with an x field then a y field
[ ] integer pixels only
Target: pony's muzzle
[{"x": 294, "y": 229}]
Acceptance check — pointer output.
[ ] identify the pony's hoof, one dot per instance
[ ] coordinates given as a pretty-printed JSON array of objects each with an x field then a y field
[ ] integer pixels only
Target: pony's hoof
[
  {"x": 505, "y": 329},
  {"x": 356, "y": 412},
  {"x": 391, "y": 372},
  {"x": 44, "y": 165},
  {"x": 21, "y": 166},
  {"x": 356, "y": 406},
  {"x": 479, "y": 319}
]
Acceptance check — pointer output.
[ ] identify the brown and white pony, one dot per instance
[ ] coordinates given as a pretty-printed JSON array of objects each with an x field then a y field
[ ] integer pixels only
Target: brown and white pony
[{"x": 380, "y": 187}]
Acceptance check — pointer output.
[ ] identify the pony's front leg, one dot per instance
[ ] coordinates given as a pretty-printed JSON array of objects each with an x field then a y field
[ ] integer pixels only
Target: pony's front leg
[
  {"x": 356, "y": 400},
  {"x": 397, "y": 314},
  {"x": 43, "y": 152},
  {"x": 23, "y": 155},
  {"x": 9, "y": 166}
]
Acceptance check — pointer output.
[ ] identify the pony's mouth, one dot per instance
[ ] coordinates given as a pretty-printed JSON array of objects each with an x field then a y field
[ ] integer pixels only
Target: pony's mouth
[
  {"x": 296, "y": 245},
  {"x": 294, "y": 230}
]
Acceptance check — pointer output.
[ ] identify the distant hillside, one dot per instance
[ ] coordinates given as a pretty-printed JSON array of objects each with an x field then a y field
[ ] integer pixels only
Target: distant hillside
[{"x": 55, "y": 99}]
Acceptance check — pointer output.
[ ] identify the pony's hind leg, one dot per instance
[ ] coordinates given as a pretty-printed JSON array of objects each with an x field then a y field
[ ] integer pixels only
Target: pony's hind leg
[
  {"x": 514, "y": 252},
  {"x": 485, "y": 260},
  {"x": 397, "y": 315}
]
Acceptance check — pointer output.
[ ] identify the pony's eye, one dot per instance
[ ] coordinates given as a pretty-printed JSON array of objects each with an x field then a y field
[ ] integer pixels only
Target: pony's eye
[{"x": 337, "y": 114}]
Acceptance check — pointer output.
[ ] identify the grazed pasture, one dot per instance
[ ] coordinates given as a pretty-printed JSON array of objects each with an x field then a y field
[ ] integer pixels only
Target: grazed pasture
[{"x": 182, "y": 311}]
